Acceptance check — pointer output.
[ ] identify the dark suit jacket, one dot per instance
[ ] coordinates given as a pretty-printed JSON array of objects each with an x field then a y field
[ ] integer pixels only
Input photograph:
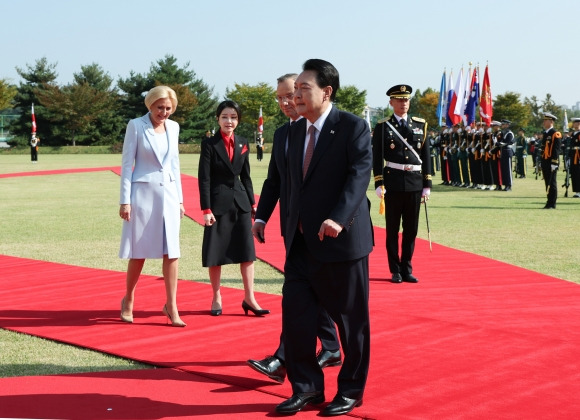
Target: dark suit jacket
[
  {"x": 274, "y": 187},
  {"x": 334, "y": 187},
  {"x": 221, "y": 182}
]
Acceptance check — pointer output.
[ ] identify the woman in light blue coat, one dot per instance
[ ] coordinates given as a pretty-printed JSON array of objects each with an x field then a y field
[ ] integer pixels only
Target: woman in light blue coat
[{"x": 151, "y": 198}]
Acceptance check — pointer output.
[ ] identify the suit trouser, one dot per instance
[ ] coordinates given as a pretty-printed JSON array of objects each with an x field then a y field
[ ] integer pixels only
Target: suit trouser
[
  {"x": 342, "y": 288},
  {"x": 402, "y": 206},
  {"x": 326, "y": 332},
  {"x": 550, "y": 180},
  {"x": 506, "y": 169}
]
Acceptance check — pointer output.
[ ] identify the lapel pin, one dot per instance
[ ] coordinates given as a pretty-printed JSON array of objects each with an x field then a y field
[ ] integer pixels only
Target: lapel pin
[{"x": 331, "y": 131}]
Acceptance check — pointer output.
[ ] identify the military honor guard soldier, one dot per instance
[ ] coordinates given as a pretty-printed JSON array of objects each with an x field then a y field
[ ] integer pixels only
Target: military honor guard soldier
[
  {"x": 402, "y": 173},
  {"x": 521, "y": 154},
  {"x": 506, "y": 154},
  {"x": 551, "y": 145},
  {"x": 574, "y": 156}
]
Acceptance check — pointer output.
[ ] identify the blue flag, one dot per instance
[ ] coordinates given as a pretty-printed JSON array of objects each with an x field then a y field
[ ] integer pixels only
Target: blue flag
[
  {"x": 441, "y": 108},
  {"x": 473, "y": 101}
]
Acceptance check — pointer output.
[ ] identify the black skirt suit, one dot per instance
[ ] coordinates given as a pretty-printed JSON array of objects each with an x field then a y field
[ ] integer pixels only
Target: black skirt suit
[{"x": 225, "y": 187}]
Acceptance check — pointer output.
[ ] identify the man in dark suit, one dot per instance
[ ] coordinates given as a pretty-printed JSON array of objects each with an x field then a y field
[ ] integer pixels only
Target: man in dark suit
[
  {"x": 274, "y": 190},
  {"x": 402, "y": 170},
  {"x": 328, "y": 239}
]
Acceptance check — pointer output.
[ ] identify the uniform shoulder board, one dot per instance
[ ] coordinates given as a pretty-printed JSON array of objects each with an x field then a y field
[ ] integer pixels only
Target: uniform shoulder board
[
  {"x": 421, "y": 120},
  {"x": 383, "y": 120}
]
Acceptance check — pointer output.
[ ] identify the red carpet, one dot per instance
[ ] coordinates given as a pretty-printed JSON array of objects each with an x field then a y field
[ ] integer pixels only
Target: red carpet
[
  {"x": 135, "y": 394},
  {"x": 475, "y": 339}
]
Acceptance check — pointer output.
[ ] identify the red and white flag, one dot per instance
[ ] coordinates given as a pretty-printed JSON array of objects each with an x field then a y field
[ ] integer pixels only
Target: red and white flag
[
  {"x": 260, "y": 122},
  {"x": 485, "y": 106},
  {"x": 33, "y": 121},
  {"x": 455, "y": 110}
]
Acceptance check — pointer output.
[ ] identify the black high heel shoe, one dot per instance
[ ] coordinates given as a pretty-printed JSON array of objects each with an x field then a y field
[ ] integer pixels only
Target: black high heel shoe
[
  {"x": 215, "y": 312},
  {"x": 258, "y": 312}
]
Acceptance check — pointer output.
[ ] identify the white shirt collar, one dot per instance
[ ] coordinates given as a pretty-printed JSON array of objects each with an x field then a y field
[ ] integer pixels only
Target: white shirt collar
[{"x": 319, "y": 123}]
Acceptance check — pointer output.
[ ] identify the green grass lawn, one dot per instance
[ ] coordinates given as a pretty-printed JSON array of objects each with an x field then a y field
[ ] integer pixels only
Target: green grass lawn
[{"x": 73, "y": 219}]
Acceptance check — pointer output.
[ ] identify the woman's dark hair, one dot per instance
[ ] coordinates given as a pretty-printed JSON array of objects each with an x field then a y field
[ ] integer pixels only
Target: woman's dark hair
[
  {"x": 229, "y": 104},
  {"x": 326, "y": 74}
]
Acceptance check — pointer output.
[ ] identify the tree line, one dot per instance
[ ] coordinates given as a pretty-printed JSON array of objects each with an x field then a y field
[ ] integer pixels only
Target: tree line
[{"x": 93, "y": 110}]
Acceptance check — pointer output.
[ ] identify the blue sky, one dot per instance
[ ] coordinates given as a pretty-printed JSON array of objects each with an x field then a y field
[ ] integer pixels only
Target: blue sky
[{"x": 531, "y": 46}]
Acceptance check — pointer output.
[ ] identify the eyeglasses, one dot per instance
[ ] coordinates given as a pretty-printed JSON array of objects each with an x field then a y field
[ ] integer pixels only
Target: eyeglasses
[{"x": 286, "y": 98}]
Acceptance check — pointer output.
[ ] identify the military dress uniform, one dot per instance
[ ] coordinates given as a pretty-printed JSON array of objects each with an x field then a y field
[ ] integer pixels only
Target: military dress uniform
[
  {"x": 550, "y": 160},
  {"x": 454, "y": 172},
  {"x": 444, "y": 156},
  {"x": 404, "y": 176},
  {"x": 496, "y": 155},
  {"x": 520, "y": 156},
  {"x": 506, "y": 154},
  {"x": 463, "y": 158},
  {"x": 574, "y": 156}
]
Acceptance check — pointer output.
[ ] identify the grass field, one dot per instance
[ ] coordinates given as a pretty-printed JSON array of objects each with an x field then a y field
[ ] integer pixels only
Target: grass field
[{"x": 73, "y": 219}]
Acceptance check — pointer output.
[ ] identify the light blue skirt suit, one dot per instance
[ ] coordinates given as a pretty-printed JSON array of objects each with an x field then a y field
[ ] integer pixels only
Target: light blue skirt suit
[{"x": 151, "y": 183}]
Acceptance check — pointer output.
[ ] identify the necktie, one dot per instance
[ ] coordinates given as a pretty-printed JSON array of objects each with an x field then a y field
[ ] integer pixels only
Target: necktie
[
  {"x": 403, "y": 123},
  {"x": 231, "y": 149},
  {"x": 309, "y": 150}
]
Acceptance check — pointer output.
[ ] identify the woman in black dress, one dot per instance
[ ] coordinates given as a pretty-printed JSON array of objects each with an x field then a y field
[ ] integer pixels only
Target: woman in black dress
[{"x": 227, "y": 202}]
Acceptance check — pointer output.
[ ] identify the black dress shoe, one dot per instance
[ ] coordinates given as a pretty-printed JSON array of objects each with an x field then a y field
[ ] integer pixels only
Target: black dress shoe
[
  {"x": 298, "y": 401},
  {"x": 341, "y": 405},
  {"x": 409, "y": 278},
  {"x": 271, "y": 366},
  {"x": 396, "y": 278},
  {"x": 328, "y": 358},
  {"x": 258, "y": 312}
]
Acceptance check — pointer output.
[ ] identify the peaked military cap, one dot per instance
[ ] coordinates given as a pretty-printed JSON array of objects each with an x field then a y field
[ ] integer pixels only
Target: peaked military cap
[
  {"x": 575, "y": 120},
  {"x": 495, "y": 123},
  {"x": 508, "y": 122},
  {"x": 400, "y": 91},
  {"x": 548, "y": 116}
]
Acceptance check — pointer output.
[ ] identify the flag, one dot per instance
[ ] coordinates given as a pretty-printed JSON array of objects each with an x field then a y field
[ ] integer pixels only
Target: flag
[
  {"x": 565, "y": 121},
  {"x": 466, "y": 94},
  {"x": 473, "y": 100},
  {"x": 260, "y": 123},
  {"x": 33, "y": 121},
  {"x": 449, "y": 96},
  {"x": 368, "y": 117},
  {"x": 441, "y": 103},
  {"x": 485, "y": 106},
  {"x": 455, "y": 110}
]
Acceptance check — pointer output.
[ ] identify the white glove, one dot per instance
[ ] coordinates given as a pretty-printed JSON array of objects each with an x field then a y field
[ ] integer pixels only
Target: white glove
[
  {"x": 481, "y": 151},
  {"x": 379, "y": 192},
  {"x": 554, "y": 167},
  {"x": 426, "y": 193}
]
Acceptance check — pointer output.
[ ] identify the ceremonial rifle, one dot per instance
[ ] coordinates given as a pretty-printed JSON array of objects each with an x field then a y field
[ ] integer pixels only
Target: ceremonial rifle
[
  {"x": 567, "y": 179},
  {"x": 427, "y": 219}
]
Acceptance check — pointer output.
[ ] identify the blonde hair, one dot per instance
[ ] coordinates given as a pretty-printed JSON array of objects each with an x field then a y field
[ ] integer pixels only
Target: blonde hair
[{"x": 161, "y": 92}]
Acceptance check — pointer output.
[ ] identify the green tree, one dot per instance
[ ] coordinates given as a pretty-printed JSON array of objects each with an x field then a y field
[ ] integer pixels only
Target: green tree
[
  {"x": 7, "y": 94},
  {"x": 196, "y": 104},
  {"x": 426, "y": 107},
  {"x": 250, "y": 99},
  {"x": 107, "y": 127},
  {"x": 35, "y": 77},
  {"x": 509, "y": 107},
  {"x": 350, "y": 99},
  {"x": 75, "y": 106}
]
